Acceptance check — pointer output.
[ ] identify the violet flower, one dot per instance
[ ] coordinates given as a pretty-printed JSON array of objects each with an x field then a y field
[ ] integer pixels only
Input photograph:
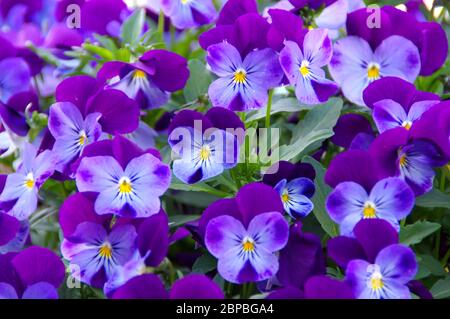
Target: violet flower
[
  {"x": 205, "y": 144},
  {"x": 186, "y": 14},
  {"x": 353, "y": 131},
  {"x": 14, "y": 78},
  {"x": 396, "y": 103},
  {"x": 390, "y": 199},
  {"x": 22, "y": 187},
  {"x": 244, "y": 233},
  {"x": 377, "y": 267},
  {"x": 303, "y": 67},
  {"x": 242, "y": 83},
  {"x": 34, "y": 273},
  {"x": 150, "y": 79}
]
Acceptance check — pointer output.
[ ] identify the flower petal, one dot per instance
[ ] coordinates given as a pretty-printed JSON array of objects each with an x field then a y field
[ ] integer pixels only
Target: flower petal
[
  {"x": 223, "y": 234},
  {"x": 270, "y": 231}
]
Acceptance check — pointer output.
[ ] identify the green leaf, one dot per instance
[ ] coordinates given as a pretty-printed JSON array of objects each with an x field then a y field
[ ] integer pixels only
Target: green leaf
[
  {"x": 100, "y": 51},
  {"x": 288, "y": 104},
  {"x": 180, "y": 220},
  {"x": 132, "y": 27},
  {"x": 310, "y": 132},
  {"x": 199, "y": 80},
  {"x": 204, "y": 264},
  {"x": 415, "y": 233},
  {"x": 432, "y": 264},
  {"x": 433, "y": 199},
  {"x": 199, "y": 187},
  {"x": 441, "y": 289},
  {"x": 320, "y": 196}
]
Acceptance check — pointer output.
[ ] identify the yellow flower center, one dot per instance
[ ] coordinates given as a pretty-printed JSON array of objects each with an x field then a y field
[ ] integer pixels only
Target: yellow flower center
[
  {"x": 369, "y": 210},
  {"x": 29, "y": 181},
  {"x": 205, "y": 153},
  {"x": 83, "y": 138},
  {"x": 373, "y": 71},
  {"x": 304, "y": 68},
  {"x": 403, "y": 160},
  {"x": 376, "y": 282},
  {"x": 125, "y": 185},
  {"x": 285, "y": 197},
  {"x": 139, "y": 74},
  {"x": 240, "y": 76},
  {"x": 407, "y": 124},
  {"x": 185, "y": 1},
  {"x": 248, "y": 245},
  {"x": 105, "y": 250}
]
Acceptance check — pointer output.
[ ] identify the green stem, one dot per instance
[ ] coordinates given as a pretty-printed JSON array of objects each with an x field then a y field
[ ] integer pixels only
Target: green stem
[
  {"x": 444, "y": 260},
  {"x": 443, "y": 177},
  {"x": 269, "y": 108},
  {"x": 161, "y": 21}
]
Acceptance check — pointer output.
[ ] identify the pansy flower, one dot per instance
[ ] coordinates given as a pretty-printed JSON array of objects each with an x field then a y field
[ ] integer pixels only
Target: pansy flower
[
  {"x": 396, "y": 103},
  {"x": 186, "y": 14},
  {"x": 133, "y": 190},
  {"x": 390, "y": 199},
  {"x": 13, "y": 113},
  {"x": 396, "y": 154},
  {"x": 355, "y": 64},
  {"x": 21, "y": 189},
  {"x": 376, "y": 266},
  {"x": 34, "y": 273},
  {"x": 205, "y": 145},
  {"x": 294, "y": 183},
  {"x": 353, "y": 131},
  {"x": 104, "y": 253},
  {"x": 245, "y": 232},
  {"x": 303, "y": 67},
  {"x": 242, "y": 83},
  {"x": 429, "y": 37},
  {"x": 82, "y": 112},
  {"x": 150, "y": 79},
  {"x": 14, "y": 78}
]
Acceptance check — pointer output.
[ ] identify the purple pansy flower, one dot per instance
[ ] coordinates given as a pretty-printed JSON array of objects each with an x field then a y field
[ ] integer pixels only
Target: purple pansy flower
[
  {"x": 412, "y": 160},
  {"x": 390, "y": 199},
  {"x": 186, "y": 14},
  {"x": 428, "y": 37},
  {"x": 244, "y": 232},
  {"x": 71, "y": 132},
  {"x": 242, "y": 83},
  {"x": 303, "y": 67},
  {"x": 13, "y": 112},
  {"x": 132, "y": 191},
  {"x": 9, "y": 227},
  {"x": 247, "y": 254},
  {"x": 205, "y": 144},
  {"x": 108, "y": 23},
  {"x": 377, "y": 267},
  {"x": 294, "y": 184},
  {"x": 34, "y": 273},
  {"x": 21, "y": 188},
  {"x": 355, "y": 64},
  {"x": 105, "y": 253},
  {"x": 396, "y": 102},
  {"x": 150, "y": 79}
]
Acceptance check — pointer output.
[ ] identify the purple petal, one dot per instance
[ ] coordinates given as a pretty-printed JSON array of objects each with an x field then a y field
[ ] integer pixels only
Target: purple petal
[
  {"x": 263, "y": 68},
  {"x": 434, "y": 47},
  {"x": 111, "y": 11},
  {"x": 120, "y": 114},
  {"x": 285, "y": 26},
  {"x": 393, "y": 198},
  {"x": 77, "y": 90},
  {"x": 374, "y": 235},
  {"x": 250, "y": 205},
  {"x": 9, "y": 227},
  {"x": 196, "y": 287},
  {"x": 343, "y": 249},
  {"x": 301, "y": 258},
  {"x": 317, "y": 47},
  {"x": 397, "y": 262},
  {"x": 40, "y": 290},
  {"x": 270, "y": 231},
  {"x": 47, "y": 267},
  {"x": 250, "y": 32},
  {"x": 65, "y": 119},
  {"x": 7, "y": 291},
  {"x": 224, "y": 233},
  {"x": 399, "y": 57},
  {"x": 388, "y": 114},
  {"x": 286, "y": 293},
  {"x": 348, "y": 126},
  {"x": 224, "y": 119},
  {"x": 170, "y": 69},
  {"x": 138, "y": 288},
  {"x": 98, "y": 173},
  {"x": 357, "y": 275},
  {"x": 287, "y": 170},
  {"x": 13, "y": 120},
  {"x": 323, "y": 287},
  {"x": 153, "y": 237},
  {"x": 233, "y": 9},
  {"x": 223, "y": 58},
  {"x": 218, "y": 208},
  {"x": 15, "y": 77}
]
